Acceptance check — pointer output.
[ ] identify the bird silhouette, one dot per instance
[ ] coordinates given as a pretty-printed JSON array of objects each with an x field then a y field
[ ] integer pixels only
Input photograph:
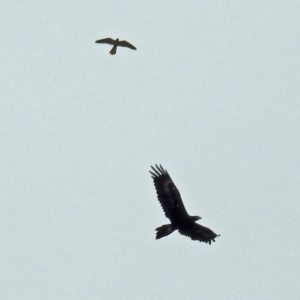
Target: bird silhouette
[{"x": 115, "y": 44}]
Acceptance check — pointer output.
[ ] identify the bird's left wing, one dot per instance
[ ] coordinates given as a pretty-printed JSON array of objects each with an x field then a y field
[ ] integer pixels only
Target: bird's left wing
[
  {"x": 199, "y": 233},
  {"x": 126, "y": 44},
  {"x": 106, "y": 41},
  {"x": 168, "y": 195}
]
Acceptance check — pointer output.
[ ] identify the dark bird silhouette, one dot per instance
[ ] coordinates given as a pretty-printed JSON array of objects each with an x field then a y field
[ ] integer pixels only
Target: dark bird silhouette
[
  {"x": 170, "y": 200},
  {"x": 115, "y": 44}
]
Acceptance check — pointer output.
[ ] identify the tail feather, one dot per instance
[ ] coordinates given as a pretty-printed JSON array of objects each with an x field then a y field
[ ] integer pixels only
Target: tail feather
[
  {"x": 164, "y": 231},
  {"x": 113, "y": 50}
]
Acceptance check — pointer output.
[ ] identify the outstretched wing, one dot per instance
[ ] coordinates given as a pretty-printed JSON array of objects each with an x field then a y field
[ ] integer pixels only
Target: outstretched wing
[
  {"x": 198, "y": 232},
  {"x": 106, "y": 41},
  {"x": 126, "y": 44},
  {"x": 168, "y": 195}
]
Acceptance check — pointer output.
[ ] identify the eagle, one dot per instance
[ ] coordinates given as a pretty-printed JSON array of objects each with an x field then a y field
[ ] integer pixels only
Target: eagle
[
  {"x": 115, "y": 44},
  {"x": 170, "y": 200}
]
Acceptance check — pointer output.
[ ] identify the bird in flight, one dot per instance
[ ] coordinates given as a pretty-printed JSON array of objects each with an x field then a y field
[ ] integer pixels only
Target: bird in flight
[
  {"x": 115, "y": 44},
  {"x": 170, "y": 200}
]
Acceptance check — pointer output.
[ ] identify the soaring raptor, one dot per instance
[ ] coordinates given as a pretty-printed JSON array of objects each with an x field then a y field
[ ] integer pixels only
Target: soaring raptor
[
  {"x": 170, "y": 200},
  {"x": 115, "y": 44}
]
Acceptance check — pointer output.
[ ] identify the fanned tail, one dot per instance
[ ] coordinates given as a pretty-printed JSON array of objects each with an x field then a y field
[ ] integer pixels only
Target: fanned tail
[{"x": 164, "y": 231}]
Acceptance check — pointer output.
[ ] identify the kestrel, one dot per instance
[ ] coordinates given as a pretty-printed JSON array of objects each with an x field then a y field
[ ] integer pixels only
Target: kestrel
[{"x": 116, "y": 43}]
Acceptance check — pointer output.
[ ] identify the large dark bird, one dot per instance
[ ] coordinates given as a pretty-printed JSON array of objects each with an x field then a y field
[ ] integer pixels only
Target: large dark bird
[
  {"x": 170, "y": 200},
  {"x": 115, "y": 44}
]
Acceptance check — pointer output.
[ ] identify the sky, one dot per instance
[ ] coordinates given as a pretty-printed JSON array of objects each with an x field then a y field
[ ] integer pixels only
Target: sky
[{"x": 212, "y": 94}]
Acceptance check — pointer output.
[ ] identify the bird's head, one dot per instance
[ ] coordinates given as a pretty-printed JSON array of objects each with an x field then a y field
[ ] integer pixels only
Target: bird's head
[{"x": 195, "y": 218}]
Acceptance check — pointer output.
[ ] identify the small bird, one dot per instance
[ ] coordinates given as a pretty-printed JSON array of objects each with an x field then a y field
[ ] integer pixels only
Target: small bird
[{"x": 116, "y": 43}]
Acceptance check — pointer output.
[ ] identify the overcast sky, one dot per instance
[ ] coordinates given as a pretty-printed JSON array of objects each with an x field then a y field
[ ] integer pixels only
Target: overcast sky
[{"x": 212, "y": 94}]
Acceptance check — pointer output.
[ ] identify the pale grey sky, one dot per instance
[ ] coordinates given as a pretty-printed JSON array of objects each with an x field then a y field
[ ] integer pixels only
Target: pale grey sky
[{"x": 212, "y": 94}]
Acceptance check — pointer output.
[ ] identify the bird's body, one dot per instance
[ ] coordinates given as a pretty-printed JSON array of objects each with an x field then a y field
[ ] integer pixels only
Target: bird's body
[
  {"x": 170, "y": 200},
  {"x": 115, "y": 44}
]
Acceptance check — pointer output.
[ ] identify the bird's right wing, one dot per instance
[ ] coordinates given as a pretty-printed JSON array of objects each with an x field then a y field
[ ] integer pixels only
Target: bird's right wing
[
  {"x": 106, "y": 41},
  {"x": 168, "y": 195},
  {"x": 199, "y": 233},
  {"x": 126, "y": 44}
]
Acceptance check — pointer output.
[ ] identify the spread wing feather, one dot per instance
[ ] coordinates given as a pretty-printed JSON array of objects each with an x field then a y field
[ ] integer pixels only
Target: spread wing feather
[
  {"x": 168, "y": 195},
  {"x": 198, "y": 232},
  {"x": 126, "y": 44},
  {"x": 106, "y": 41}
]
